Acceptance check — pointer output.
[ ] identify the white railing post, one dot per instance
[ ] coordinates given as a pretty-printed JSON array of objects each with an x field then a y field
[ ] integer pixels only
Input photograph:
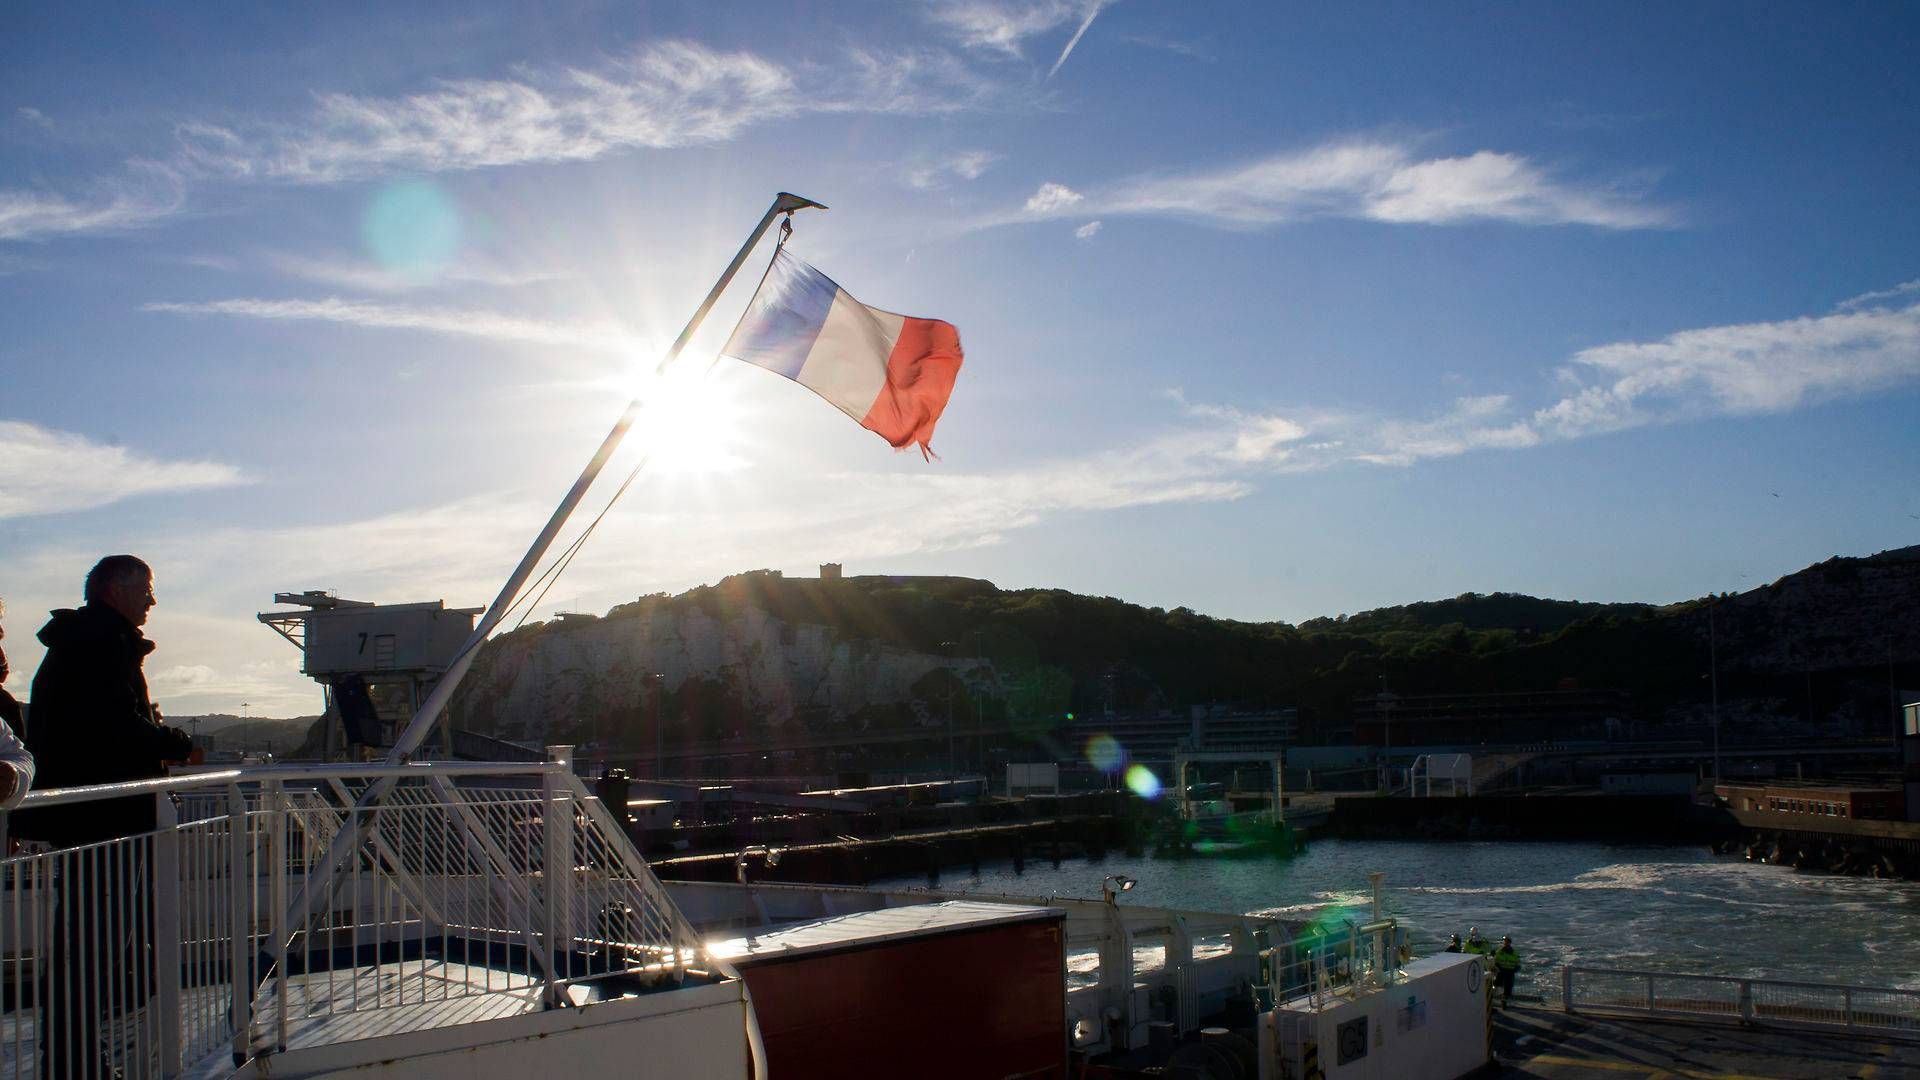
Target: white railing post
[
  {"x": 556, "y": 860},
  {"x": 165, "y": 888},
  {"x": 278, "y": 852},
  {"x": 240, "y": 941}
]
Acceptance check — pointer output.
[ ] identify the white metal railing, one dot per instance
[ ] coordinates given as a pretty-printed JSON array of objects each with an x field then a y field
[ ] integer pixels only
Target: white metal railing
[
  {"x": 1871, "y": 1010},
  {"x": 146, "y": 955}
]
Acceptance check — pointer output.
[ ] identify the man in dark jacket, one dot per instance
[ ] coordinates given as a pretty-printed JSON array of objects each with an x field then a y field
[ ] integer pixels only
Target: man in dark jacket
[{"x": 91, "y": 721}]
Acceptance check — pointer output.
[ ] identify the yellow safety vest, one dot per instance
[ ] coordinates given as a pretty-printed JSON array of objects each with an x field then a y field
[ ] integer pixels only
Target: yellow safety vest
[{"x": 1507, "y": 960}]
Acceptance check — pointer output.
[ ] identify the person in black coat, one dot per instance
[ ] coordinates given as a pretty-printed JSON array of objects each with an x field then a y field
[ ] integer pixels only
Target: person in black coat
[
  {"x": 91, "y": 721},
  {"x": 16, "y": 763}
]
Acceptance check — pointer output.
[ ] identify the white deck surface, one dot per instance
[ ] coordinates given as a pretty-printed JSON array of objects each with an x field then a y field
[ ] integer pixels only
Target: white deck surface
[
  {"x": 333, "y": 1007},
  {"x": 389, "y": 999}
]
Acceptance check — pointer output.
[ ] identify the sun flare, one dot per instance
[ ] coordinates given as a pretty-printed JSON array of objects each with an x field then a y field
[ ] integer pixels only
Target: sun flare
[{"x": 691, "y": 420}]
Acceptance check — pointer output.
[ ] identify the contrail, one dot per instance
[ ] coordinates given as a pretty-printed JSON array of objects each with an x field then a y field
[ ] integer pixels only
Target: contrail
[{"x": 1092, "y": 13}]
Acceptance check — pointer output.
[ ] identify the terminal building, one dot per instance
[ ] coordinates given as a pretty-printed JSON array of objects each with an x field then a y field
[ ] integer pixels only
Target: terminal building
[
  {"x": 1521, "y": 717},
  {"x": 1153, "y": 737},
  {"x": 1812, "y": 799}
]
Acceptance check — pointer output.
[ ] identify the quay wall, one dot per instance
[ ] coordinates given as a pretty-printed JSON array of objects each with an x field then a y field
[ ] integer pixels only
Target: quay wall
[
  {"x": 854, "y": 861},
  {"x": 786, "y": 828},
  {"x": 1869, "y": 848},
  {"x": 1650, "y": 819}
]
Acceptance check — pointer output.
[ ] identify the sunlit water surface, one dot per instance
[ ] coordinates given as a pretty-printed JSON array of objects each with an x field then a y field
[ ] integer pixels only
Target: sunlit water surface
[{"x": 1673, "y": 909}]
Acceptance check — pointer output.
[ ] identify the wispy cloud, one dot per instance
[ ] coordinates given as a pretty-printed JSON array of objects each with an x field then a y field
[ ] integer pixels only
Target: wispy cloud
[
  {"x": 360, "y": 275},
  {"x": 1306, "y": 440},
  {"x": 666, "y": 95},
  {"x": 145, "y": 195},
  {"x": 1743, "y": 369},
  {"x": 1088, "y": 231},
  {"x": 662, "y": 96},
  {"x": 1004, "y": 26},
  {"x": 35, "y": 117},
  {"x": 1740, "y": 370},
  {"x": 927, "y": 172},
  {"x": 1180, "y": 48},
  {"x": 1904, "y": 293},
  {"x": 492, "y": 326},
  {"x": 1365, "y": 179},
  {"x": 43, "y": 471}
]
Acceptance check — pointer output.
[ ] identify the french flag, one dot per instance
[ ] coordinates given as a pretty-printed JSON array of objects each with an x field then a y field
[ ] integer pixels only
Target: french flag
[{"x": 892, "y": 373}]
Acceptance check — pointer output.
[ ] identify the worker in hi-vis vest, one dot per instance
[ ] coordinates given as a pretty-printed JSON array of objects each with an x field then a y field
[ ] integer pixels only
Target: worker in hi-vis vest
[
  {"x": 1506, "y": 964},
  {"x": 1477, "y": 944}
]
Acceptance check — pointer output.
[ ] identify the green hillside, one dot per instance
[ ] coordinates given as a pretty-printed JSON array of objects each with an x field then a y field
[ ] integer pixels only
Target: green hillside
[{"x": 1821, "y": 644}]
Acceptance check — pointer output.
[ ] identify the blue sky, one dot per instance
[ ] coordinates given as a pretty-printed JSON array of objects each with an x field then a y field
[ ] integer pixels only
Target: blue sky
[{"x": 1273, "y": 312}]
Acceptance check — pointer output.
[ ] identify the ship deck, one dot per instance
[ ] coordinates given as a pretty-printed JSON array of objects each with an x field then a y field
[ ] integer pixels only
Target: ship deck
[
  {"x": 1543, "y": 1042},
  {"x": 342, "y": 1005}
]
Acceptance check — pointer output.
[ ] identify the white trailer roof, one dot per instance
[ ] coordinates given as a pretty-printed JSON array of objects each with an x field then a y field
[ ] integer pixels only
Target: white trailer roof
[{"x": 861, "y": 928}]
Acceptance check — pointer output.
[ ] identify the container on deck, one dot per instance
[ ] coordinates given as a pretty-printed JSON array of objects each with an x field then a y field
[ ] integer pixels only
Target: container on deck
[{"x": 957, "y": 989}]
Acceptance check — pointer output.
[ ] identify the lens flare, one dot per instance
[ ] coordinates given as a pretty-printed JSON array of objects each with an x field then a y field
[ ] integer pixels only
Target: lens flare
[
  {"x": 1142, "y": 782},
  {"x": 1104, "y": 753},
  {"x": 412, "y": 228}
]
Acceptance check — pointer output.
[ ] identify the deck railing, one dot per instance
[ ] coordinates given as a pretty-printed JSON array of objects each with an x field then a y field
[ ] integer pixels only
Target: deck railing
[
  {"x": 153, "y": 954},
  {"x": 1870, "y": 1010}
]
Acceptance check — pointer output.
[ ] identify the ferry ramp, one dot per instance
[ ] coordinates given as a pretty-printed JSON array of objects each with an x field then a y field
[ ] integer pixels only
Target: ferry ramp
[{"x": 1544, "y": 1042}]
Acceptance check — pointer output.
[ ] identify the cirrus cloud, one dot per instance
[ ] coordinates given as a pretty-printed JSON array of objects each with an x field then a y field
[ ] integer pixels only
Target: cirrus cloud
[
  {"x": 43, "y": 471},
  {"x": 664, "y": 95},
  {"x": 490, "y": 325},
  {"x": 1363, "y": 179}
]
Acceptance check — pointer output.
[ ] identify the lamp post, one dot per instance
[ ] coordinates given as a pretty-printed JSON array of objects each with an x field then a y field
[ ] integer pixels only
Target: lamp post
[
  {"x": 979, "y": 721},
  {"x": 950, "y": 646},
  {"x": 1713, "y": 683},
  {"x": 659, "y": 761},
  {"x": 1386, "y": 699}
]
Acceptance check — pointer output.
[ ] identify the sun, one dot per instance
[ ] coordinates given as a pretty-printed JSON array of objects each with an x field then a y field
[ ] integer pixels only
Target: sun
[{"x": 691, "y": 420}]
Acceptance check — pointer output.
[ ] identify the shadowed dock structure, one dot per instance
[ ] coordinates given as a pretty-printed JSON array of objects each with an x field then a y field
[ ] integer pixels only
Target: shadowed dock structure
[{"x": 1544, "y": 1042}]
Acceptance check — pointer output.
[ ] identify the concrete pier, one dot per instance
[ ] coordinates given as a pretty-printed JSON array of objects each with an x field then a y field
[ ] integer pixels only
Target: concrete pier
[{"x": 1543, "y": 1042}]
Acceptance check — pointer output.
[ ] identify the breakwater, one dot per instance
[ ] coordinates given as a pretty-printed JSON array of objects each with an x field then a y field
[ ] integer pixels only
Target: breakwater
[{"x": 1657, "y": 819}]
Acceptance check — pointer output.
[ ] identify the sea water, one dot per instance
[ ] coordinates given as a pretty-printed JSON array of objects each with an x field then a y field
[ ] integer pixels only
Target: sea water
[{"x": 1663, "y": 908}]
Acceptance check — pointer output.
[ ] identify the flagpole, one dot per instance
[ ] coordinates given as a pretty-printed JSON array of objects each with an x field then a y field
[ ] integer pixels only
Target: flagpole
[
  {"x": 348, "y": 839},
  {"x": 416, "y": 730}
]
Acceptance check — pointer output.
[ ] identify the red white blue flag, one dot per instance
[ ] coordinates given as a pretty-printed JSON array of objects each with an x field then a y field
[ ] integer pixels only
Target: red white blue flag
[{"x": 892, "y": 373}]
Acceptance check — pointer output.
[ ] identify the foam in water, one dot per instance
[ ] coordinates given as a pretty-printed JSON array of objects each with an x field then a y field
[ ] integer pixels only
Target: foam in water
[{"x": 1665, "y": 908}]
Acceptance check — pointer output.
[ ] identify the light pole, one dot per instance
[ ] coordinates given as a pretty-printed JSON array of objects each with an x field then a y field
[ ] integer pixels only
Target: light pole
[
  {"x": 979, "y": 722},
  {"x": 1386, "y": 699},
  {"x": 1713, "y": 683},
  {"x": 949, "y": 646},
  {"x": 659, "y": 762}
]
